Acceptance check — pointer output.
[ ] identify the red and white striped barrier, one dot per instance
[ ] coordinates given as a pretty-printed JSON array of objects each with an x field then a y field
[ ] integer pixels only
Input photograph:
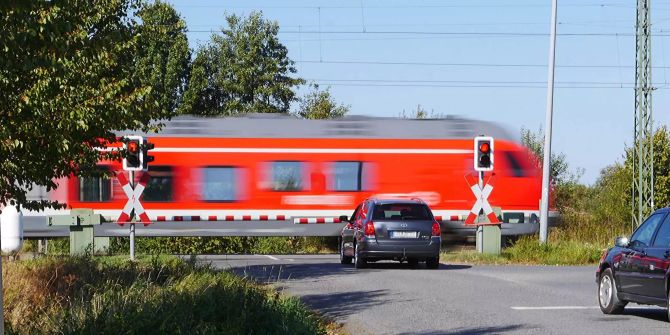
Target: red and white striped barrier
[
  {"x": 221, "y": 218},
  {"x": 316, "y": 220},
  {"x": 440, "y": 218}
]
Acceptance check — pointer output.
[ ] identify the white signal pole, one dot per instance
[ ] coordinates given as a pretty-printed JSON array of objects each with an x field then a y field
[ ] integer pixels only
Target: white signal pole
[
  {"x": 546, "y": 164},
  {"x": 132, "y": 222}
]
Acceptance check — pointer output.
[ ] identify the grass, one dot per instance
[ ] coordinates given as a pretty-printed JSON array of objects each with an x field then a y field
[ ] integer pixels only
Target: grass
[
  {"x": 77, "y": 295},
  {"x": 207, "y": 245},
  {"x": 527, "y": 250}
]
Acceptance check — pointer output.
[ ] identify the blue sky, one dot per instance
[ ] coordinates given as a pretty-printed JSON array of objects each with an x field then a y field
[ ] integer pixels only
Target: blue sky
[{"x": 482, "y": 59}]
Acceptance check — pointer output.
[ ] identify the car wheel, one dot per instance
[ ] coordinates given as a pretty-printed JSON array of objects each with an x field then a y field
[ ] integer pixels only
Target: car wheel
[
  {"x": 608, "y": 298},
  {"x": 433, "y": 262},
  {"x": 359, "y": 262},
  {"x": 344, "y": 259}
]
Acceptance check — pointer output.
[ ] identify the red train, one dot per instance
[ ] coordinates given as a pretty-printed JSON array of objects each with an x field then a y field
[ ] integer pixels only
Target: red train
[{"x": 273, "y": 167}]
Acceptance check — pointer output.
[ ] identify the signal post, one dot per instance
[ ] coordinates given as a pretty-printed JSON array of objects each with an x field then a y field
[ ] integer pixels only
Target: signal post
[
  {"x": 136, "y": 159},
  {"x": 488, "y": 226}
]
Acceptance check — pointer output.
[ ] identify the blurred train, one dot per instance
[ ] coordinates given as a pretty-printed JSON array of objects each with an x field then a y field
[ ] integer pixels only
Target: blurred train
[{"x": 262, "y": 167}]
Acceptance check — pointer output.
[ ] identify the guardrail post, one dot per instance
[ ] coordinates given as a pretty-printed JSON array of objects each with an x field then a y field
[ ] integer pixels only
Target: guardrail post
[{"x": 81, "y": 222}]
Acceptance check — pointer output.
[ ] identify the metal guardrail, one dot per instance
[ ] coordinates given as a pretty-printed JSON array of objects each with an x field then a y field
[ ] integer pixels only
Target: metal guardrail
[{"x": 36, "y": 227}]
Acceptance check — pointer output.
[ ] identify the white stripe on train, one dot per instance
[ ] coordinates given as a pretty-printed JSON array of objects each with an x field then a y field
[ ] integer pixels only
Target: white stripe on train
[{"x": 312, "y": 150}]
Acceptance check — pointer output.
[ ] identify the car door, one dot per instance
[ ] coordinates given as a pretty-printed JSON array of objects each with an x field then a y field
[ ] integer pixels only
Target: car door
[
  {"x": 632, "y": 273},
  {"x": 658, "y": 261}
]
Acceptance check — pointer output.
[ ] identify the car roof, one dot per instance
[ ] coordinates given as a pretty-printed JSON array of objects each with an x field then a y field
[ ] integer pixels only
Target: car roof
[{"x": 379, "y": 201}]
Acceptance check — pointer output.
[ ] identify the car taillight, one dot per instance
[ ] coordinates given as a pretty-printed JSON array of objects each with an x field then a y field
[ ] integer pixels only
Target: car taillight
[
  {"x": 436, "y": 229},
  {"x": 369, "y": 229}
]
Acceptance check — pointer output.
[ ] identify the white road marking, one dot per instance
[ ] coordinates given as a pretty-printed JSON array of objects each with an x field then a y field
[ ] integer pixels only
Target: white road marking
[
  {"x": 272, "y": 258},
  {"x": 531, "y": 308}
]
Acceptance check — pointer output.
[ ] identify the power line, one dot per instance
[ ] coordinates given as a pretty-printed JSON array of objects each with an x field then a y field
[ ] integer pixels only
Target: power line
[
  {"x": 467, "y": 64},
  {"x": 448, "y": 33},
  {"x": 479, "y": 86},
  {"x": 496, "y": 5},
  {"x": 472, "y": 81},
  {"x": 398, "y": 32}
]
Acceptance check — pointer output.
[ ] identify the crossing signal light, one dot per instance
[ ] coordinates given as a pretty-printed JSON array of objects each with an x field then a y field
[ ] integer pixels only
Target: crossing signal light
[
  {"x": 134, "y": 155},
  {"x": 483, "y": 153},
  {"x": 137, "y": 153}
]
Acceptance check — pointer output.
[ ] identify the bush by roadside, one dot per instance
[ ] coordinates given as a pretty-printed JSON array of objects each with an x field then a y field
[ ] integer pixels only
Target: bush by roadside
[{"x": 155, "y": 295}]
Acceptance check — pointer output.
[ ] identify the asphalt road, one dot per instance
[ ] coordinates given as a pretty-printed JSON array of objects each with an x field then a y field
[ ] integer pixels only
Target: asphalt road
[{"x": 389, "y": 298}]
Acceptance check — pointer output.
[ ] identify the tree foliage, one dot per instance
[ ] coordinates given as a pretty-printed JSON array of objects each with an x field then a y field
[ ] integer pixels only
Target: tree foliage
[
  {"x": 661, "y": 146},
  {"x": 319, "y": 104},
  {"x": 163, "y": 56},
  {"x": 244, "y": 69},
  {"x": 67, "y": 84},
  {"x": 560, "y": 169},
  {"x": 421, "y": 113}
]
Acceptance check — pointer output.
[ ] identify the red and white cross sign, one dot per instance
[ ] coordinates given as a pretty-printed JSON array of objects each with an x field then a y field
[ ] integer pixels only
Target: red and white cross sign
[
  {"x": 133, "y": 199},
  {"x": 482, "y": 203}
]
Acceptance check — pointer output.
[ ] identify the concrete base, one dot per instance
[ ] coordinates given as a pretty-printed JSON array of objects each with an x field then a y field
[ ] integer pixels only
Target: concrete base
[{"x": 489, "y": 239}]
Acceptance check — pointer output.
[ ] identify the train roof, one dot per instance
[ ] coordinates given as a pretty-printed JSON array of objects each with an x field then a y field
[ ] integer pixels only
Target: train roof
[{"x": 351, "y": 126}]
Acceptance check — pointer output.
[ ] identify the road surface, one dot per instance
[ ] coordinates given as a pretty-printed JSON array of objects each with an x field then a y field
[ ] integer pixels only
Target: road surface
[{"x": 389, "y": 298}]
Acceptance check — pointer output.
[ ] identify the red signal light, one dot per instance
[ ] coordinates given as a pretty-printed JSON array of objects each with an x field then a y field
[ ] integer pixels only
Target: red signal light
[
  {"x": 133, "y": 147},
  {"x": 485, "y": 148}
]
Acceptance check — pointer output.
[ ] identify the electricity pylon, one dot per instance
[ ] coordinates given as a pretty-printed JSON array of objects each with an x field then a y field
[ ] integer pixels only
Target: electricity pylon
[{"x": 643, "y": 144}]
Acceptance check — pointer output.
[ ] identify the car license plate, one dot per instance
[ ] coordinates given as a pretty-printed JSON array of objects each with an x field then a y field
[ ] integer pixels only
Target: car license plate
[{"x": 403, "y": 234}]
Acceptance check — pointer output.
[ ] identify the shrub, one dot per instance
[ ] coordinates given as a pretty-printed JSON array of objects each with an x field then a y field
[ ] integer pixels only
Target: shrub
[{"x": 157, "y": 295}]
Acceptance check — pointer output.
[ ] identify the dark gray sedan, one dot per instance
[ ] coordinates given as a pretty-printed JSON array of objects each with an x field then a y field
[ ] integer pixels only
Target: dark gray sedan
[{"x": 400, "y": 230}]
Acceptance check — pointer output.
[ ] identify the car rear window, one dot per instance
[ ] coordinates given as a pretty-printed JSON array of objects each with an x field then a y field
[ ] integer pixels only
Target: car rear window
[{"x": 387, "y": 212}]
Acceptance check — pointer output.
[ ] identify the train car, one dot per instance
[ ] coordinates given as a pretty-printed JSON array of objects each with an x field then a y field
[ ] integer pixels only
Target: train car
[{"x": 261, "y": 167}]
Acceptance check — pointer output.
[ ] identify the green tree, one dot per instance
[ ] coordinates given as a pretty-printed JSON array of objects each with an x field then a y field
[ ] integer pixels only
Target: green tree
[
  {"x": 67, "y": 84},
  {"x": 244, "y": 69},
  {"x": 611, "y": 197},
  {"x": 421, "y": 113},
  {"x": 319, "y": 104},
  {"x": 560, "y": 169},
  {"x": 163, "y": 56},
  {"x": 661, "y": 166}
]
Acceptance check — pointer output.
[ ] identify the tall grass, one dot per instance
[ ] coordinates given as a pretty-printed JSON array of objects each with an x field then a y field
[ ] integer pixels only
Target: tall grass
[
  {"x": 580, "y": 239},
  {"x": 154, "y": 296},
  {"x": 591, "y": 228},
  {"x": 527, "y": 250}
]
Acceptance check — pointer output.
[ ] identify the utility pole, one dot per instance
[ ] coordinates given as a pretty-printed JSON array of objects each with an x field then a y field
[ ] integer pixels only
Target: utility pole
[
  {"x": 643, "y": 144},
  {"x": 546, "y": 163}
]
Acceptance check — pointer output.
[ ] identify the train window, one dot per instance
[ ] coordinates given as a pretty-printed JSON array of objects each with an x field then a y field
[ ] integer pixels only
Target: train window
[
  {"x": 159, "y": 187},
  {"x": 346, "y": 176},
  {"x": 515, "y": 166},
  {"x": 287, "y": 176},
  {"x": 220, "y": 183},
  {"x": 95, "y": 189}
]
